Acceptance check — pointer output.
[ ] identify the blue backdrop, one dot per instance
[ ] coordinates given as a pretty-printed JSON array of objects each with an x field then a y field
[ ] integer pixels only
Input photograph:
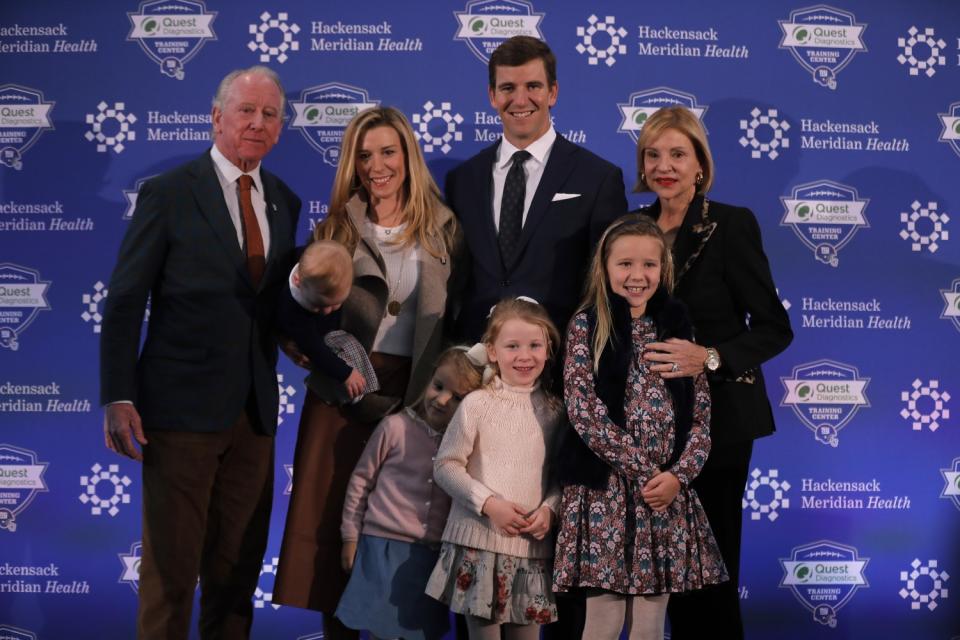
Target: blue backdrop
[{"x": 839, "y": 126}]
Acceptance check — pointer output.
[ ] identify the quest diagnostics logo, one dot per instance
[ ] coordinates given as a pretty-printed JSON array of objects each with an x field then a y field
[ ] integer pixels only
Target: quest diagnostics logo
[
  {"x": 825, "y": 395},
  {"x": 824, "y": 576},
  {"x": 171, "y": 32},
  {"x": 24, "y": 117},
  {"x": 323, "y": 113},
  {"x": 951, "y": 127},
  {"x": 643, "y": 104},
  {"x": 21, "y": 479},
  {"x": 823, "y": 40},
  {"x": 825, "y": 215},
  {"x": 23, "y": 295},
  {"x": 484, "y": 24}
]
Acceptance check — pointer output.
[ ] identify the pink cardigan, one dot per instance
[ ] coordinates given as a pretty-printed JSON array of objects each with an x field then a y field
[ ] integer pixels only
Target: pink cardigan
[{"x": 391, "y": 493}]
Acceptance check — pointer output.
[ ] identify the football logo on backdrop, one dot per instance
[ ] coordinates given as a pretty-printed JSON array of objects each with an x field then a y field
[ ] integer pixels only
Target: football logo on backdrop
[
  {"x": 825, "y": 395},
  {"x": 772, "y": 133},
  {"x": 485, "y": 24},
  {"x": 611, "y": 36},
  {"x": 171, "y": 32},
  {"x": 130, "y": 195},
  {"x": 925, "y": 576},
  {"x": 930, "y": 45},
  {"x": 643, "y": 104},
  {"x": 16, "y": 633},
  {"x": 131, "y": 566},
  {"x": 823, "y": 40},
  {"x": 437, "y": 136},
  {"x": 824, "y": 576},
  {"x": 951, "y": 299},
  {"x": 22, "y": 297},
  {"x": 282, "y": 42},
  {"x": 951, "y": 486},
  {"x": 110, "y": 127},
  {"x": 825, "y": 215},
  {"x": 24, "y": 116},
  {"x": 21, "y": 479},
  {"x": 951, "y": 127},
  {"x": 323, "y": 113}
]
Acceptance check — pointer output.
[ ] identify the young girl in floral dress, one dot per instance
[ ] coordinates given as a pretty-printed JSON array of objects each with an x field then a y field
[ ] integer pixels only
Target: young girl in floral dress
[
  {"x": 494, "y": 564},
  {"x": 631, "y": 530}
]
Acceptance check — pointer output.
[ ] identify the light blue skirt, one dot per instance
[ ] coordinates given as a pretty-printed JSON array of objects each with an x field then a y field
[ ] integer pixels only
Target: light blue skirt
[{"x": 385, "y": 594}]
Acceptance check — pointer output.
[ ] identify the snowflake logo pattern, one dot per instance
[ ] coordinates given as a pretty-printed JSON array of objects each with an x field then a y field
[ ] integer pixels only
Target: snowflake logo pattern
[
  {"x": 286, "y": 406},
  {"x": 267, "y": 24},
  {"x": 124, "y": 120},
  {"x": 920, "y": 418},
  {"x": 778, "y": 501},
  {"x": 260, "y": 597},
  {"x": 432, "y": 142},
  {"x": 937, "y": 590},
  {"x": 119, "y": 496},
  {"x": 608, "y": 26},
  {"x": 92, "y": 302},
  {"x": 770, "y": 120},
  {"x": 935, "y": 46},
  {"x": 929, "y": 240}
]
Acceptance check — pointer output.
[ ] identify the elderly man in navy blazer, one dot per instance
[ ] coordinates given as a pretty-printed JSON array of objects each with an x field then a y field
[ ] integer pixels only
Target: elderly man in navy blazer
[
  {"x": 533, "y": 205},
  {"x": 211, "y": 243}
]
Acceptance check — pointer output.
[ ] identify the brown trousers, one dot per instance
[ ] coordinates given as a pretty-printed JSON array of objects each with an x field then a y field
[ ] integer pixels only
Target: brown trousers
[
  {"x": 206, "y": 513},
  {"x": 329, "y": 443}
]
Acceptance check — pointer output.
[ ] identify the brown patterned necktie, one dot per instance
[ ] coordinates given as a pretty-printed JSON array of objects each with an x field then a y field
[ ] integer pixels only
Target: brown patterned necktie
[{"x": 252, "y": 239}]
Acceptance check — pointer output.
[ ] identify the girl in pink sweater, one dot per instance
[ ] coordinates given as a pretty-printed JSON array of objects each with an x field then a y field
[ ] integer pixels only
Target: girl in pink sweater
[
  {"x": 494, "y": 564},
  {"x": 393, "y": 513}
]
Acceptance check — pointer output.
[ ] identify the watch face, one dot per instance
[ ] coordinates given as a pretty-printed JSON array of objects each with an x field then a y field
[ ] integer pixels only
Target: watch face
[{"x": 713, "y": 360}]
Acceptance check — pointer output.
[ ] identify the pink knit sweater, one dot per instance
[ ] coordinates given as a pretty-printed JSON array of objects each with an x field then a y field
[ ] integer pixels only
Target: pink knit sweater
[
  {"x": 391, "y": 493},
  {"x": 500, "y": 442}
]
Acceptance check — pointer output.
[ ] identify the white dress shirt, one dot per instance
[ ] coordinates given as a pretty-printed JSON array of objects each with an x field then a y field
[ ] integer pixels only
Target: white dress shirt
[
  {"x": 228, "y": 174},
  {"x": 533, "y": 167}
]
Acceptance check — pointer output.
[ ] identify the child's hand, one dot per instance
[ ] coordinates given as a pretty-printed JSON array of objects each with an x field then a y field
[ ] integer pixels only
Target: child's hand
[
  {"x": 507, "y": 517},
  {"x": 347, "y": 553},
  {"x": 660, "y": 491},
  {"x": 356, "y": 384},
  {"x": 541, "y": 521}
]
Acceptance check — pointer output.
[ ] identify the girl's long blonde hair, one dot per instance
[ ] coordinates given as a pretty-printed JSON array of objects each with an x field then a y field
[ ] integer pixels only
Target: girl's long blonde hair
[
  {"x": 419, "y": 198},
  {"x": 597, "y": 294}
]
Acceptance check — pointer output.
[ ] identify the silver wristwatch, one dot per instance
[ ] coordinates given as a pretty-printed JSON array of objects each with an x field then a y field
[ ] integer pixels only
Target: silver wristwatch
[{"x": 712, "y": 363}]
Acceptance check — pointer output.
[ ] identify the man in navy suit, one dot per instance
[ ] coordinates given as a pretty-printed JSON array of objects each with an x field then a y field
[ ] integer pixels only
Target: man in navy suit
[
  {"x": 211, "y": 243},
  {"x": 533, "y": 232}
]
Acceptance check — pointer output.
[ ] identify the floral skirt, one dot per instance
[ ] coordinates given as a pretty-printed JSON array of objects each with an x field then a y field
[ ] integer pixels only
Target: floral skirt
[{"x": 493, "y": 586}]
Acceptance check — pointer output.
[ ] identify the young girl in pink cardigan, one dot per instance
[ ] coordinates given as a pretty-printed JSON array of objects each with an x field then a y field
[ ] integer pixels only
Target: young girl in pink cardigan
[{"x": 393, "y": 513}]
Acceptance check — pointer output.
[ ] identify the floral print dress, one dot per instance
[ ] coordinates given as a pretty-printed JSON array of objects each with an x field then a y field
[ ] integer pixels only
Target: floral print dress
[{"x": 609, "y": 538}]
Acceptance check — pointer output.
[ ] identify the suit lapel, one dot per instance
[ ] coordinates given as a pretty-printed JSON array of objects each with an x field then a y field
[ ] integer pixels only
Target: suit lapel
[
  {"x": 692, "y": 236},
  {"x": 278, "y": 217},
  {"x": 481, "y": 174},
  {"x": 555, "y": 174},
  {"x": 209, "y": 196}
]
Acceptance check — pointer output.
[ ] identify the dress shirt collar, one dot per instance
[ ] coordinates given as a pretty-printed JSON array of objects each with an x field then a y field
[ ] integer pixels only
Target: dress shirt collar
[
  {"x": 538, "y": 149},
  {"x": 231, "y": 172}
]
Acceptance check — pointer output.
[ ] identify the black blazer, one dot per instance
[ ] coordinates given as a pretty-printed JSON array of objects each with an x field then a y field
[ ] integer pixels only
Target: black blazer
[
  {"x": 210, "y": 338},
  {"x": 557, "y": 240},
  {"x": 723, "y": 276}
]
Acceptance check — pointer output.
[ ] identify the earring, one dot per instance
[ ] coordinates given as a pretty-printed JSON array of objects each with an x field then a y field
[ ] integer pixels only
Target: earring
[
  {"x": 699, "y": 178},
  {"x": 643, "y": 178}
]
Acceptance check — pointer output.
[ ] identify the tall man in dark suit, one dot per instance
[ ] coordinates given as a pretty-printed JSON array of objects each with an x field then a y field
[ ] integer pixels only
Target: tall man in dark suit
[
  {"x": 533, "y": 205},
  {"x": 210, "y": 243}
]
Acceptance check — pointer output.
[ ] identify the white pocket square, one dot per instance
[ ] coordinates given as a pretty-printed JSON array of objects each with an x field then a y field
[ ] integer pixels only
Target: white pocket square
[{"x": 557, "y": 197}]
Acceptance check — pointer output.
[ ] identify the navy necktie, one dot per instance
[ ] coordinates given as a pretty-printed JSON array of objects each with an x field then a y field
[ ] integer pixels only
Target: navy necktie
[{"x": 511, "y": 207}]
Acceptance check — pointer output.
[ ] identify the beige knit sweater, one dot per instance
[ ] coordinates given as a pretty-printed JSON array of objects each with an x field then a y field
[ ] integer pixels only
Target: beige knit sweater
[{"x": 500, "y": 442}]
